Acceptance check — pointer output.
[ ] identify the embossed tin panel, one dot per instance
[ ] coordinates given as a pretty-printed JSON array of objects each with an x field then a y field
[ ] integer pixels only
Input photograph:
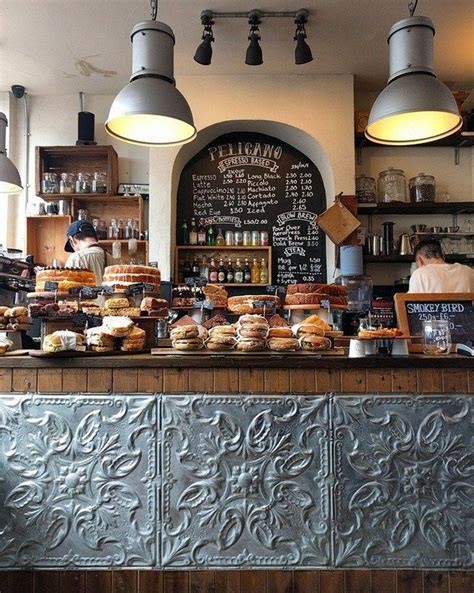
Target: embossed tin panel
[
  {"x": 404, "y": 481},
  {"x": 245, "y": 481},
  {"x": 78, "y": 481}
]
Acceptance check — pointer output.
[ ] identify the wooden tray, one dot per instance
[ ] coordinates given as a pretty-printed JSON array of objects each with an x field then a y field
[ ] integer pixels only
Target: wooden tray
[
  {"x": 204, "y": 352},
  {"x": 79, "y": 354},
  {"x": 15, "y": 353}
]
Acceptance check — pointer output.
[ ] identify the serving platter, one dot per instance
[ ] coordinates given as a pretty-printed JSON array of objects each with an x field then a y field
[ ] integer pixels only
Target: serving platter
[{"x": 79, "y": 354}]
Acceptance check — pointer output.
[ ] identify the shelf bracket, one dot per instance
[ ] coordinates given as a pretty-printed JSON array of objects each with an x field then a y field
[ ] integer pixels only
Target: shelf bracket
[
  {"x": 359, "y": 155},
  {"x": 456, "y": 155}
]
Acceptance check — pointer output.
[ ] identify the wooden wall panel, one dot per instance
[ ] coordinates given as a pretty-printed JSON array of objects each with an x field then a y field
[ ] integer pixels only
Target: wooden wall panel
[
  {"x": 73, "y": 581},
  {"x": 227, "y": 581},
  {"x": 99, "y": 380},
  {"x": 50, "y": 381},
  {"x": 429, "y": 381},
  {"x": 6, "y": 376},
  {"x": 150, "y": 380},
  {"x": 201, "y": 380},
  {"x": 277, "y": 380},
  {"x": 24, "y": 380},
  {"x": 383, "y": 581},
  {"x": 354, "y": 381},
  {"x": 125, "y": 380},
  {"x": 328, "y": 380},
  {"x": 455, "y": 381},
  {"x": 75, "y": 380},
  {"x": 403, "y": 380},
  {"x": 302, "y": 381},
  {"x": 236, "y": 581},
  {"x": 379, "y": 380},
  {"x": 175, "y": 380},
  {"x": 226, "y": 380},
  {"x": 306, "y": 581},
  {"x": 251, "y": 380}
]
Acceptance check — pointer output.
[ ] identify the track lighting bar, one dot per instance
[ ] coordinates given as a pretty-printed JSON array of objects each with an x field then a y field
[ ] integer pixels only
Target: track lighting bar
[{"x": 211, "y": 14}]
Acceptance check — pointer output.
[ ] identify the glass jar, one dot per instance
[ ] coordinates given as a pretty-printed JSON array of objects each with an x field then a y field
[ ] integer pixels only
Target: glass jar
[
  {"x": 82, "y": 214},
  {"x": 422, "y": 188},
  {"x": 365, "y": 190},
  {"x": 83, "y": 183},
  {"x": 49, "y": 184},
  {"x": 391, "y": 186},
  {"x": 102, "y": 230},
  {"x": 67, "y": 183},
  {"x": 99, "y": 183}
]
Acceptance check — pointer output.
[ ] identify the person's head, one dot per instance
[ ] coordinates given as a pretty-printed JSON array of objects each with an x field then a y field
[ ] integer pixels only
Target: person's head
[
  {"x": 79, "y": 234},
  {"x": 428, "y": 251}
]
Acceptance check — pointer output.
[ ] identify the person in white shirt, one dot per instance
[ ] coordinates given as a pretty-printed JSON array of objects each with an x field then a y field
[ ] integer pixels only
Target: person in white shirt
[
  {"x": 85, "y": 250},
  {"x": 435, "y": 275}
]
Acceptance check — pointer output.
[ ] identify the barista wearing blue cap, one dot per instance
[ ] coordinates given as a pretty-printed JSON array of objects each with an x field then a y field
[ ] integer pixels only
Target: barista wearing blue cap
[{"x": 85, "y": 250}]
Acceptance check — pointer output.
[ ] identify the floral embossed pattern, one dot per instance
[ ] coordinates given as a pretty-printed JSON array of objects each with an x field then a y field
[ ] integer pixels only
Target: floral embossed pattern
[
  {"x": 404, "y": 481},
  {"x": 245, "y": 481},
  {"x": 77, "y": 481}
]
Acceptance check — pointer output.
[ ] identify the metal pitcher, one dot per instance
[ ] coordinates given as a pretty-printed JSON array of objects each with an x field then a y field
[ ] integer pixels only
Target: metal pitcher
[{"x": 404, "y": 245}]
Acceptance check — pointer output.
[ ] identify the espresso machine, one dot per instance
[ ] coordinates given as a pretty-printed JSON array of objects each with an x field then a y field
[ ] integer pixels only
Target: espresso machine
[{"x": 359, "y": 288}]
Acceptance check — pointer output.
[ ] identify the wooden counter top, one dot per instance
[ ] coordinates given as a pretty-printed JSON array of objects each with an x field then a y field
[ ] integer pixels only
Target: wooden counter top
[{"x": 230, "y": 361}]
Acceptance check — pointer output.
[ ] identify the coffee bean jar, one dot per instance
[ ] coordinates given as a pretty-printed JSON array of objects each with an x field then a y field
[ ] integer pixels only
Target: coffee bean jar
[
  {"x": 422, "y": 188},
  {"x": 365, "y": 190},
  {"x": 391, "y": 186}
]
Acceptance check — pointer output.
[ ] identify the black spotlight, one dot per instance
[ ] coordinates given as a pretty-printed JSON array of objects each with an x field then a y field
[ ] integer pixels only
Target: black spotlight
[
  {"x": 203, "y": 53},
  {"x": 254, "y": 56},
  {"x": 302, "y": 51}
]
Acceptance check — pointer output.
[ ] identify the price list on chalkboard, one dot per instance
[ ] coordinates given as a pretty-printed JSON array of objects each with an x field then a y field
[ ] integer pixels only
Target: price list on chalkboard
[{"x": 249, "y": 181}]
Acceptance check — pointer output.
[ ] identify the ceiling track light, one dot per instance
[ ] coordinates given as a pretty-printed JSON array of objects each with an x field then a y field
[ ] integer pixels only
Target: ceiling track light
[
  {"x": 415, "y": 107},
  {"x": 254, "y": 56},
  {"x": 150, "y": 111},
  {"x": 203, "y": 53}
]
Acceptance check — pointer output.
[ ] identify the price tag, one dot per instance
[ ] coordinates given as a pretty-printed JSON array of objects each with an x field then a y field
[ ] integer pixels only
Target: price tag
[
  {"x": 138, "y": 288},
  {"x": 94, "y": 320},
  {"x": 201, "y": 281},
  {"x": 274, "y": 289},
  {"x": 80, "y": 319},
  {"x": 51, "y": 286},
  {"x": 263, "y": 305},
  {"x": 106, "y": 290},
  {"x": 325, "y": 304},
  {"x": 89, "y": 291},
  {"x": 204, "y": 305}
]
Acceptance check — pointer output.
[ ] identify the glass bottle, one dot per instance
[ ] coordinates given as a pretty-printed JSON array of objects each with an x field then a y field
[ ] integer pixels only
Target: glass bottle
[
  {"x": 201, "y": 234},
  {"x": 239, "y": 272},
  {"x": 220, "y": 239},
  {"x": 210, "y": 235},
  {"x": 247, "y": 272},
  {"x": 184, "y": 233},
  {"x": 193, "y": 236},
  {"x": 195, "y": 268},
  {"x": 112, "y": 232},
  {"x": 136, "y": 229},
  {"x": 255, "y": 272},
  {"x": 128, "y": 230},
  {"x": 102, "y": 230},
  {"x": 120, "y": 229},
  {"x": 212, "y": 271},
  {"x": 117, "y": 250},
  {"x": 230, "y": 272},
  {"x": 187, "y": 272},
  {"x": 204, "y": 269},
  {"x": 263, "y": 272},
  {"x": 221, "y": 272}
]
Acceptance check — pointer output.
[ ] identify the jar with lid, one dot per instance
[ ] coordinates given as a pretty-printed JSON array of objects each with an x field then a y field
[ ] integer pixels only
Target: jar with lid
[
  {"x": 83, "y": 183},
  {"x": 391, "y": 186},
  {"x": 102, "y": 231},
  {"x": 422, "y": 188},
  {"x": 99, "y": 183},
  {"x": 365, "y": 189},
  {"x": 67, "y": 183},
  {"x": 49, "y": 183}
]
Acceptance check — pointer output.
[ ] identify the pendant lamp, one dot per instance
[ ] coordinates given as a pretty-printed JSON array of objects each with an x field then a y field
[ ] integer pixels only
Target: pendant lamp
[
  {"x": 10, "y": 182},
  {"x": 150, "y": 111},
  {"x": 415, "y": 107}
]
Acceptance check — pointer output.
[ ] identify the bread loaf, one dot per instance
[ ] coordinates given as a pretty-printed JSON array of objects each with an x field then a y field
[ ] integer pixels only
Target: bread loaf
[
  {"x": 245, "y": 304},
  {"x": 121, "y": 276},
  {"x": 309, "y": 287},
  {"x": 65, "y": 278}
]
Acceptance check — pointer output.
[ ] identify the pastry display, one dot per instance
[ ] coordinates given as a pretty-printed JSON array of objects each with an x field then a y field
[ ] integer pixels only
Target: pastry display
[
  {"x": 313, "y": 342},
  {"x": 310, "y": 287},
  {"x": 98, "y": 340},
  {"x": 307, "y": 329},
  {"x": 122, "y": 276},
  {"x": 280, "y": 332},
  {"x": 186, "y": 296},
  {"x": 380, "y": 333},
  {"x": 135, "y": 340},
  {"x": 221, "y": 337},
  {"x": 277, "y": 321},
  {"x": 117, "y": 303},
  {"x": 118, "y": 327},
  {"x": 244, "y": 304},
  {"x": 250, "y": 345},
  {"x": 215, "y": 320},
  {"x": 217, "y": 295},
  {"x": 313, "y": 294},
  {"x": 283, "y": 344},
  {"x": 62, "y": 340},
  {"x": 154, "y": 307},
  {"x": 5, "y": 345},
  {"x": 184, "y": 332},
  {"x": 65, "y": 278}
]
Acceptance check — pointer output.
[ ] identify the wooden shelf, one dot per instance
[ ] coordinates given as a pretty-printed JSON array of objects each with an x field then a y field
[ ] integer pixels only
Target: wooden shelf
[
  {"x": 400, "y": 259},
  {"x": 223, "y": 247},
  {"x": 417, "y": 208},
  {"x": 122, "y": 241},
  {"x": 456, "y": 140},
  {"x": 95, "y": 197}
]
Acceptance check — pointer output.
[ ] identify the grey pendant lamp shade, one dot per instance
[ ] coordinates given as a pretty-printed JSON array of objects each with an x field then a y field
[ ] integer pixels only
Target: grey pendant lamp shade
[
  {"x": 415, "y": 107},
  {"x": 10, "y": 182},
  {"x": 150, "y": 110}
]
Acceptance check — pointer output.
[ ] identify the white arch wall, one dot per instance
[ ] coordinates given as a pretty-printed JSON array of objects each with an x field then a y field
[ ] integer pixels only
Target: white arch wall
[{"x": 312, "y": 113}]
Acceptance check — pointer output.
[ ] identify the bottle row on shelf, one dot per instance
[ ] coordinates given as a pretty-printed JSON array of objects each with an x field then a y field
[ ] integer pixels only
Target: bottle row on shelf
[
  {"x": 226, "y": 272},
  {"x": 207, "y": 235}
]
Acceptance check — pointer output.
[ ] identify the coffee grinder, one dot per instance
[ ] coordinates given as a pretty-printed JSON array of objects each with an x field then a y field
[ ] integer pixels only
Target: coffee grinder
[{"x": 359, "y": 288}]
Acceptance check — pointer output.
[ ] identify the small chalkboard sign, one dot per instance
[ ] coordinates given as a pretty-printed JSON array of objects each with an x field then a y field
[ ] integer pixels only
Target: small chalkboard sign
[
  {"x": 137, "y": 288},
  {"x": 203, "y": 305},
  {"x": 457, "y": 307},
  {"x": 51, "y": 286}
]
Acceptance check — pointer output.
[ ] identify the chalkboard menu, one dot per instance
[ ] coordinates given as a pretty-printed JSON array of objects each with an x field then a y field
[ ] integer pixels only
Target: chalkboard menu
[
  {"x": 249, "y": 181},
  {"x": 413, "y": 309}
]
